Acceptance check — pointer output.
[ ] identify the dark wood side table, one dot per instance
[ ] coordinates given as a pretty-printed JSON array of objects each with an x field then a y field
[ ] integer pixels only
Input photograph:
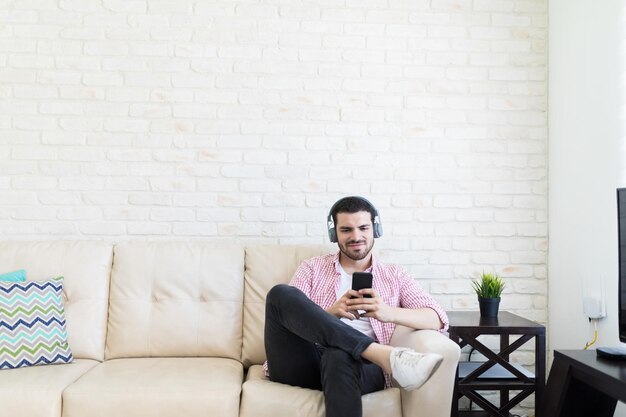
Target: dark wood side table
[
  {"x": 581, "y": 384},
  {"x": 465, "y": 327}
]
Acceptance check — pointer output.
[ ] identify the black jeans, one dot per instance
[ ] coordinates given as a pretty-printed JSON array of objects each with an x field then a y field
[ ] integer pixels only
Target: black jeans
[{"x": 309, "y": 348}]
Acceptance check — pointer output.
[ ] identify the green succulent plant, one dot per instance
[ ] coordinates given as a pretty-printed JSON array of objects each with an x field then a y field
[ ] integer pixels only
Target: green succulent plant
[{"x": 490, "y": 285}]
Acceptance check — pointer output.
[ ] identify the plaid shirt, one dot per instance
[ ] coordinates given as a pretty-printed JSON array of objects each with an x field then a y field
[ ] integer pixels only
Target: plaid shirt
[{"x": 319, "y": 278}]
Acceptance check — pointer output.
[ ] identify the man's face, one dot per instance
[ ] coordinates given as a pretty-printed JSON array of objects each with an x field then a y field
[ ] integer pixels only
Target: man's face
[{"x": 355, "y": 234}]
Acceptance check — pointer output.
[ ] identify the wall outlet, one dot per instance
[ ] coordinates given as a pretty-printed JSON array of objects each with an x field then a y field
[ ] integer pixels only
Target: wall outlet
[{"x": 593, "y": 306}]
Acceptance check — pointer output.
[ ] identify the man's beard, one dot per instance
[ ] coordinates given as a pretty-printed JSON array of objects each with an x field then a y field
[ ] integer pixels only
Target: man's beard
[{"x": 354, "y": 255}]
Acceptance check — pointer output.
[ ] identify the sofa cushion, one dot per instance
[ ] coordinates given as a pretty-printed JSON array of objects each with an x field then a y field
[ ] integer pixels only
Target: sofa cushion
[
  {"x": 86, "y": 268},
  {"x": 263, "y": 398},
  {"x": 164, "y": 387},
  {"x": 176, "y": 299},
  {"x": 32, "y": 324},
  {"x": 37, "y": 391},
  {"x": 266, "y": 266}
]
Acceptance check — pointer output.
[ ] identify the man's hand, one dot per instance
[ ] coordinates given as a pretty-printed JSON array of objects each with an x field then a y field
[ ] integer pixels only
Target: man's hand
[
  {"x": 374, "y": 307},
  {"x": 341, "y": 309}
]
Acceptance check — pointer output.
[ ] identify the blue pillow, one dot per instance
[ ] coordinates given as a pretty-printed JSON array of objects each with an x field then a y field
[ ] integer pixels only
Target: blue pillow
[{"x": 15, "y": 276}]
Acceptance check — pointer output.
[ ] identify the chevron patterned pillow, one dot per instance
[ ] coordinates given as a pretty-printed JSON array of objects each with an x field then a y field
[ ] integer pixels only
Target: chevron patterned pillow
[{"x": 32, "y": 324}]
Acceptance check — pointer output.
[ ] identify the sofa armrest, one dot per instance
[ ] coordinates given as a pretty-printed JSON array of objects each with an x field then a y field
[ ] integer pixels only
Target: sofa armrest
[{"x": 434, "y": 398}]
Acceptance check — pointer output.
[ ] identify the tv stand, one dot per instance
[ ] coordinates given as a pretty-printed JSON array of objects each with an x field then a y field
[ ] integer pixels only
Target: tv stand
[
  {"x": 582, "y": 385},
  {"x": 612, "y": 353}
]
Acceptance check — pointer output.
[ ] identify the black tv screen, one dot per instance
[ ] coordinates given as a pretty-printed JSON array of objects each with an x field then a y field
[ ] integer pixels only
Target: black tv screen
[{"x": 621, "y": 224}]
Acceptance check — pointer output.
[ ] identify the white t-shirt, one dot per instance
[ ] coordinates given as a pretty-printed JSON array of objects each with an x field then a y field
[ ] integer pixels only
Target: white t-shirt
[{"x": 363, "y": 324}]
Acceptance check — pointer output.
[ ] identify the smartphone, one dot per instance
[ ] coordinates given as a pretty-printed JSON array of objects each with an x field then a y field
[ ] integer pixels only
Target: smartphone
[{"x": 362, "y": 280}]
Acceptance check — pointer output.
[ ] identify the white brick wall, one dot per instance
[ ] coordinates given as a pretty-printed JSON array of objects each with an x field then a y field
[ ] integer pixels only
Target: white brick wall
[{"x": 245, "y": 120}]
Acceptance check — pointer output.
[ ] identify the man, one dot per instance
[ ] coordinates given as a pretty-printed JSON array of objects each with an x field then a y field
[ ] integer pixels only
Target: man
[{"x": 321, "y": 334}]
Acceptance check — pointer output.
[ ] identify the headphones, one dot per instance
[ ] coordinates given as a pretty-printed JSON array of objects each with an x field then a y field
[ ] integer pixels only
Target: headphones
[{"x": 332, "y": 230}]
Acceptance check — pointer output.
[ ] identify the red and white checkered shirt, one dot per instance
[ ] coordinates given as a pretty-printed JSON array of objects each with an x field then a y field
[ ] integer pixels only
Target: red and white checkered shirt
[{"x": 319, "y": 278}]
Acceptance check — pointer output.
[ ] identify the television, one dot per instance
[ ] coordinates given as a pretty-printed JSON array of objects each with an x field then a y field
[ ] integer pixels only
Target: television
[
  {"x": 619, "y": 353},
  {"x": 621, "y": 291}
]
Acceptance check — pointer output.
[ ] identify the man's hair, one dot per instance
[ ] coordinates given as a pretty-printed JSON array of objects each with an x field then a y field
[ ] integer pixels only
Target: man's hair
[{"x": 352, "y": 205}]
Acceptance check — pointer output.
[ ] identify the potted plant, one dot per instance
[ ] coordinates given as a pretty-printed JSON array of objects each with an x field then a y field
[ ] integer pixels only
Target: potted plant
[{"x": 488, "y": 289}]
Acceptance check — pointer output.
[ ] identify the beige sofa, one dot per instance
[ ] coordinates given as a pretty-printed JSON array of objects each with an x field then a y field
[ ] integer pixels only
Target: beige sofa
[{"x": 176, "y": 329}]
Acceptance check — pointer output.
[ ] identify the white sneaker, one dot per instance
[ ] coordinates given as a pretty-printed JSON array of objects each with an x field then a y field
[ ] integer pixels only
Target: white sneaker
[{"x": 412, "y": 369}]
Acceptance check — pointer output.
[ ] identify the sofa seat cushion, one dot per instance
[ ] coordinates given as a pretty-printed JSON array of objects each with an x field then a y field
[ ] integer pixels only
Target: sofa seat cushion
[
  {"x": 190, "y": 387},
  {"x": 264, "y": 398},
  {"x": 37, "y": 391}
]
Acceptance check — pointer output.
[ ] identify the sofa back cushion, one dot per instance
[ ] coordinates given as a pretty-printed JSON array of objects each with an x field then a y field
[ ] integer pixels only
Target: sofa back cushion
[
  {"x": 86, "y": 268},
  {"x": 176, "y": 299},
  {"x": 266, "y": 266}
]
